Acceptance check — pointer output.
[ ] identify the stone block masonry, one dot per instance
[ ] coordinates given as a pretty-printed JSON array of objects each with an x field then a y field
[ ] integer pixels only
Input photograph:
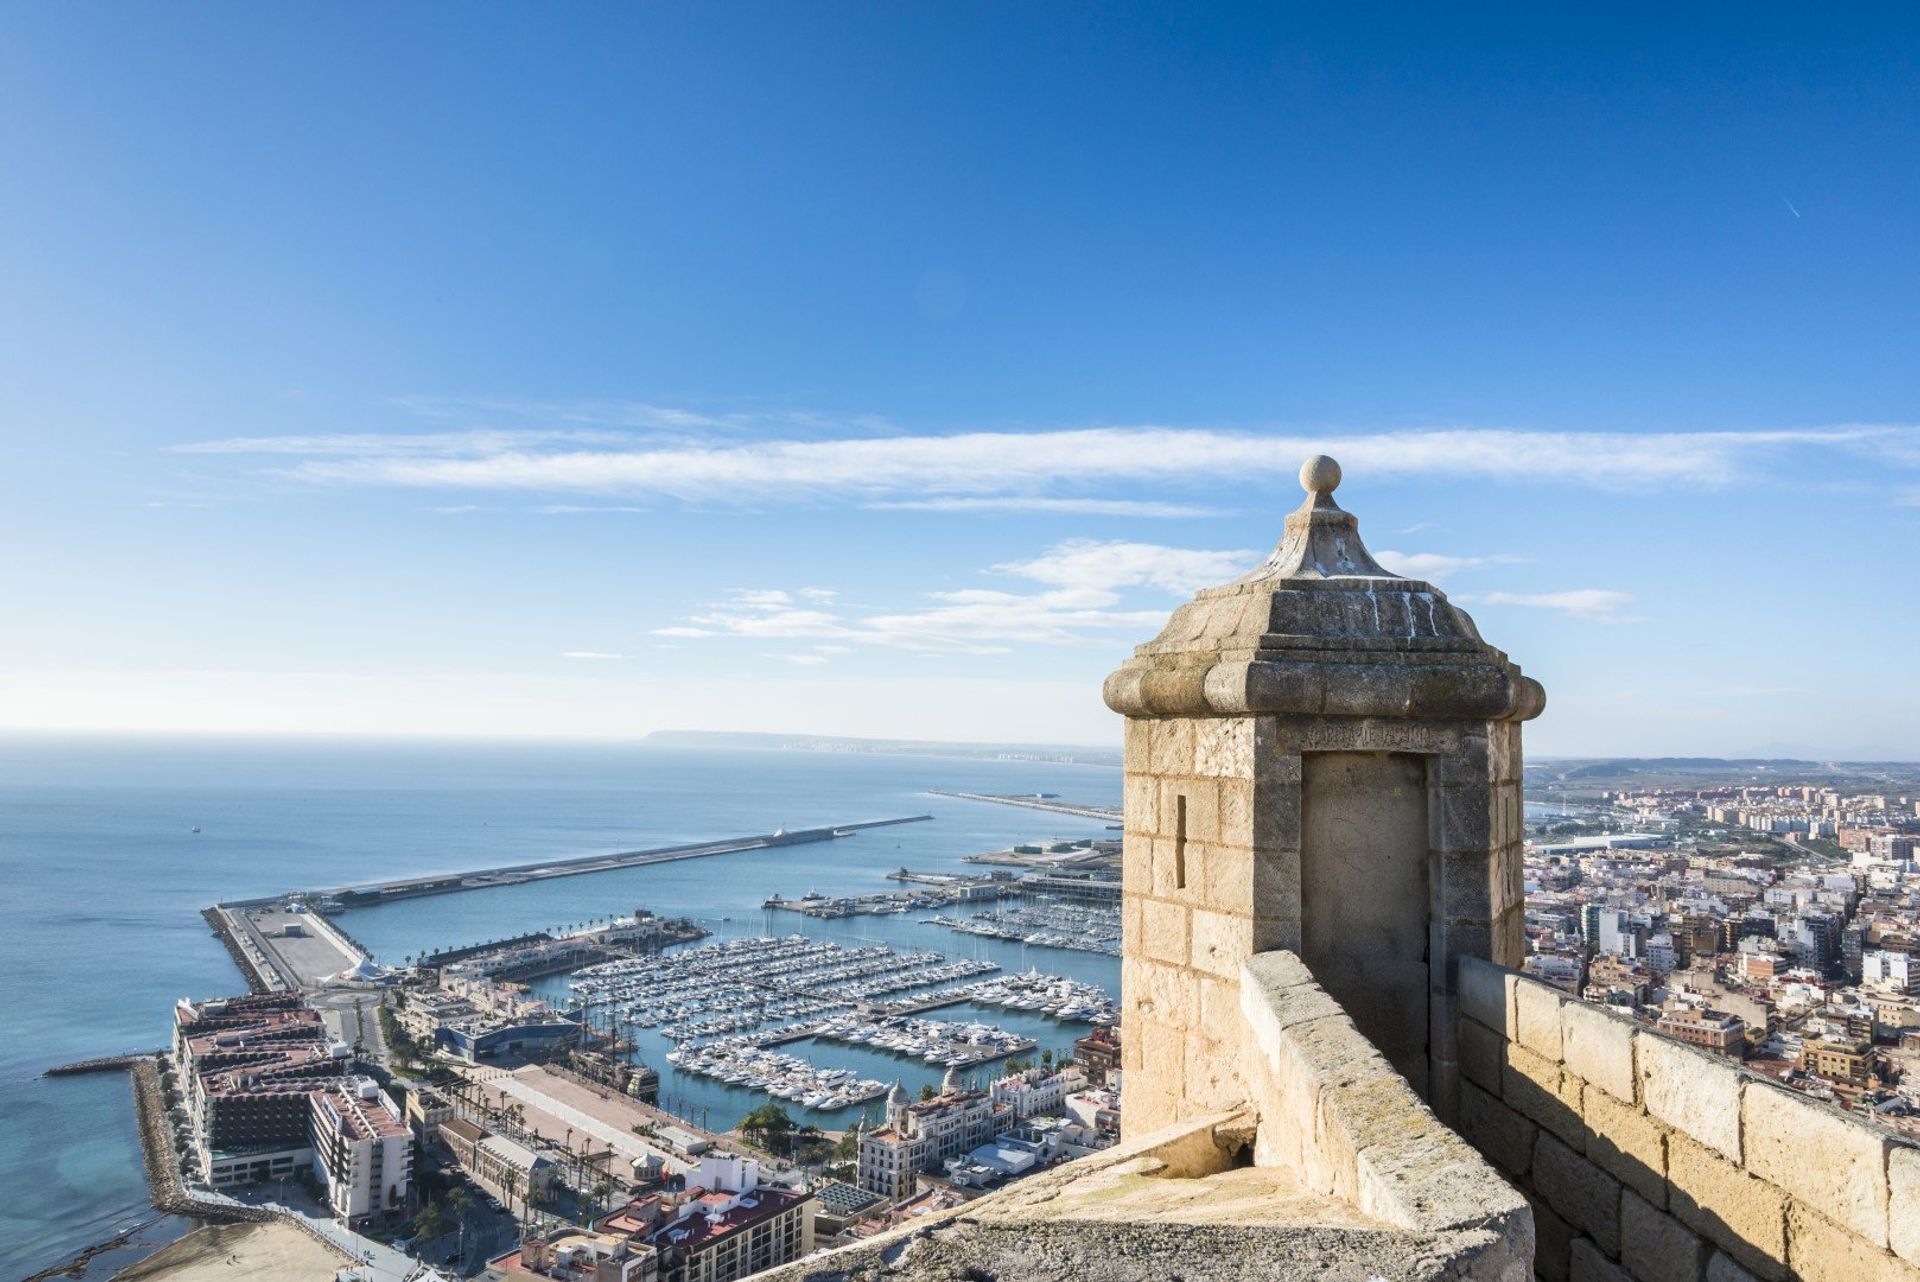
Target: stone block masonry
[{"x": 1669, "y": 1164}]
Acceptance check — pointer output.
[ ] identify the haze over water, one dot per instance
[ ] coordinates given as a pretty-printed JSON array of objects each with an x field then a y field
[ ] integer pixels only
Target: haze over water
[{"x": 100, "y": 929}]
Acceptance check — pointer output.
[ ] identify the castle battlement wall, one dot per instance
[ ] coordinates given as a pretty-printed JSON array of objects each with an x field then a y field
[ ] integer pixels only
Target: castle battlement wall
[{"x": 1649, "y": 1159}]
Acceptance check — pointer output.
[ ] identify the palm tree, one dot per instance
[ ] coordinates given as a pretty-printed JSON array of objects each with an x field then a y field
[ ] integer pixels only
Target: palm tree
[
  {"x": 509, "y": 1180},
  {"x": 431, "y": 1221},
  {"x": 462, "y": 1203}
]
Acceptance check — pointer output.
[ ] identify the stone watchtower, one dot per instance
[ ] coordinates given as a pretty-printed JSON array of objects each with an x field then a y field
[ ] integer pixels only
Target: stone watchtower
[{"x": 1321, "y": 757}]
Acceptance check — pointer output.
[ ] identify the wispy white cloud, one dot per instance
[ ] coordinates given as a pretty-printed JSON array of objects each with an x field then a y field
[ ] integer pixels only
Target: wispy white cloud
[
  {"x": 1083, "y": 584},
  {"x": 803, "y": 660},
  {"x": 1062, "y": 507},
  {"x": 1434, "y": 566},
  {"x": 1599, "y": 604},
  {"x": 590, "y": 654},
  {"x": 1007, "y": 465},
  {"x": 579, "y": 509},
  {"x": 1908, "y": 497},
  {"x": 369, "y": 447},
  {"x": 1102, "y": 568}
]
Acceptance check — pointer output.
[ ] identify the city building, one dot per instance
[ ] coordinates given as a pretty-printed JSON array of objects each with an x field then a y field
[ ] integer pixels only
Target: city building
[
  {"x": 1838, "y": 1060},
  {"x": 921, "y": 1137},
  {"x": 505, "y": 1168},
  {"x": 1036, "y": 1092},
  {"x": 1897, "y": 971},
  {"x": 727, "y": 1225},
  {"x": 362, "y": 1149},
  {"x": 1713, "y": 1030},
  {"x": 248, "y": 1067},
  {"x": 1098, "y": 1053}
]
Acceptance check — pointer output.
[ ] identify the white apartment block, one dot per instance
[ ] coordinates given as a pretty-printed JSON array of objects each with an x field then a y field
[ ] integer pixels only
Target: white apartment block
[{"x": 362, "y": 1150}]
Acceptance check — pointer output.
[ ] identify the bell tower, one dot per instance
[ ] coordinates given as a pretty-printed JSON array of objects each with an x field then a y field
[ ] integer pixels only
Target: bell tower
[{"x": 1321, "y": 757}]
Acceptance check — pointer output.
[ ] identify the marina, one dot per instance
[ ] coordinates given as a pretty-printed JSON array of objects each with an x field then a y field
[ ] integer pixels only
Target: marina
[
  {"x": 725, "y": 1007},
  {"x": 1052, "y": 925},
  {"x": 932, "y": 1040}
]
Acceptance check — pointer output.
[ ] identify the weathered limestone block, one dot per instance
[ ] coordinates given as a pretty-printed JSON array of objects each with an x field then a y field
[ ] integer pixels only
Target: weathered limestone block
[
  {"x": 1482, "y": 1054},
  {"x": 1503, "y": 1135},
  {"x": 1744, "y": 1216},
  {"x": 1537, "y": 1012},
  {"x": 1829, "y": 1162},
  {"x": 1223, "y": 747},
  {"x": 1553, "y": 1243},
  {"x": 1536, "y": 1086},
  {"x": 1486, "y": 994},
  {"x": 1821, "y": 1251},
  {"x": 1164, "y": 931},
  {"x": 1903, "y": 1205},
  {"x": 1590, "y": 1265},
  {"x": 1140, "y": 803},
  {"x": 1627, "y": 1144},
  {"x": 1221, "y": 942},
  {"x": 1655, "y": 1247},
  {"x": 1598, "y": 1046},
  {"x": 1584, "y": 1194},
  {"x": 1691, "y": 1091}
]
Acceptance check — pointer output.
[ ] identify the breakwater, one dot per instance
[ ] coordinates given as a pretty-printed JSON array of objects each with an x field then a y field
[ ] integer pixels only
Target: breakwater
[
  {"x": 362, "y": 894},
  {"x": 102, "y": 1064},
  {"x": 164, "y": 1185},
  {"x": 256, "y": 975},
  {"x": 1110, "y": 814}
]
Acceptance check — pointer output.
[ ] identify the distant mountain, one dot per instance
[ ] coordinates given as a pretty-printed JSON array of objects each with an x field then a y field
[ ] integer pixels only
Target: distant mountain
[
  {"x": 1074, "y": 754},
  {"x": 1638, "y": 772}
]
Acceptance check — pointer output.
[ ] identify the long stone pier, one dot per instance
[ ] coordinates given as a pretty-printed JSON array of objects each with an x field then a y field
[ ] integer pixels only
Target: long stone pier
[
  {"x": 361, "y": 894},
  {"x": 1109, "y": 814}
]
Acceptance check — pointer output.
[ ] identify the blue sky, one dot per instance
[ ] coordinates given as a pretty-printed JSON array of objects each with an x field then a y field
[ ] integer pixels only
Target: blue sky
[{"x": 893, "y": 369}]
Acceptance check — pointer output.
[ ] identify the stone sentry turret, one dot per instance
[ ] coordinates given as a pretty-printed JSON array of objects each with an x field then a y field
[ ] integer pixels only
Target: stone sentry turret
[{"x": 1321, "y": 757}]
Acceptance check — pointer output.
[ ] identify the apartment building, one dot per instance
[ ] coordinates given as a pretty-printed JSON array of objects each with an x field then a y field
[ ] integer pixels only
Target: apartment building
[
  {"x": 922, "y": 1136},
  {"x": 362, "y": 1149},
  {"x": 248, "y": 1067},
  {"x": 1713, "y": 1030}
]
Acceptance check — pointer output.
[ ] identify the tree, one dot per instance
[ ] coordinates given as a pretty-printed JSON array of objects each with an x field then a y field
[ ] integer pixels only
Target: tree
[
  {"x": 431, "y": 1221},
  {"x": 462, "y": 1203},
  {"x": 768, "y": 1127},
  {"x": 927, "y": 1092}
]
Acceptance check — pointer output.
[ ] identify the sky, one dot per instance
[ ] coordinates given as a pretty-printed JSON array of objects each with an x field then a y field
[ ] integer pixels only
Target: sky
[{"x": 894, "y": 369}]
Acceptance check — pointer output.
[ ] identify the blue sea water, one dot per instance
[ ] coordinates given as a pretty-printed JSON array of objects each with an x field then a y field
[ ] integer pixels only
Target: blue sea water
[{"x": 104, "y": 879}]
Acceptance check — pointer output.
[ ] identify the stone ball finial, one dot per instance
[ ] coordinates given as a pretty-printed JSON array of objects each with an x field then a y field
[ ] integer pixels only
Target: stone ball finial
[{"x": 1320, "y": 475}]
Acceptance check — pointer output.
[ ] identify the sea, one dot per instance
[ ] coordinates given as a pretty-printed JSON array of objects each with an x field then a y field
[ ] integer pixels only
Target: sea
[{"x": 110, "y": 847}]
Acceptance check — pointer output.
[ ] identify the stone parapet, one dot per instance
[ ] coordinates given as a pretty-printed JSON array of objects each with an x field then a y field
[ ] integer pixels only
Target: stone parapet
[{"x": 1668, "y": 1163}]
